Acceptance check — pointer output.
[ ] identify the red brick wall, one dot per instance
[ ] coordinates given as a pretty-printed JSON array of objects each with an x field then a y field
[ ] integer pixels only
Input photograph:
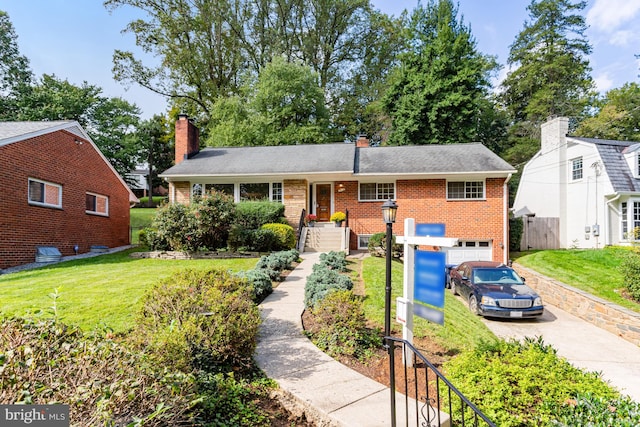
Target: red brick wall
[
  {"x": 425, "y": 200},
  {"x": 57, "y": 158},
  {"x": 187, "y": 139}
]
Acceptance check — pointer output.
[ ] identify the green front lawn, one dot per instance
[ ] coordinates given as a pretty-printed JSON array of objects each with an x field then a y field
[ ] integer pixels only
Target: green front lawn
[
  {"x": 592, "y": 270},
  {"x": 461, "y": 330},
  {"x": 139, "y": 219},
  {"x": 103, "y": 291}
]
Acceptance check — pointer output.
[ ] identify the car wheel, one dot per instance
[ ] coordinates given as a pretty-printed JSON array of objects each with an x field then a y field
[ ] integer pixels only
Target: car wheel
[
  {"x": 473, "y": 305},
  {"x": 452, "y": 286}
]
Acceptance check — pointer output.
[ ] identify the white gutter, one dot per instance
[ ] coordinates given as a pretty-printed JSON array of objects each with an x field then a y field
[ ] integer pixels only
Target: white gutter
[
  {"x": 505, "y": 210},
  {"x": 609, "y": 224}
]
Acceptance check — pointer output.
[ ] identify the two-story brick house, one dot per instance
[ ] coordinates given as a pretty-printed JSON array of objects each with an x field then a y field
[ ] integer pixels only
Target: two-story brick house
[
  {"x": 463, "y": 186},
  {"x": 58, "y": 190}
]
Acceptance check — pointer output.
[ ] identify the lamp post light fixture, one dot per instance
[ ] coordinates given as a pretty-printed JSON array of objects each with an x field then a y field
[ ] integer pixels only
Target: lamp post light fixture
[{"x": 389, "y": 210}]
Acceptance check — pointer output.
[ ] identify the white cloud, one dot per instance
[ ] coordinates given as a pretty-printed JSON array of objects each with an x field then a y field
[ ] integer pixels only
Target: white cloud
[
  {"x": 603, "y": 82},
  {"x": 608, "y": 15},
  {"x": 622, "y": 38}
]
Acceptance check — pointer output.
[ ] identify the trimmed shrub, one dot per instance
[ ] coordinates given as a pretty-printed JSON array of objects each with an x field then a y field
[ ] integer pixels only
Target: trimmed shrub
[
  {"x": 322, "y": 281},
  {"x": 342, "y": 326},
  {"x": 334, "y": 260},
  {"x": 490, "y": 375},
  {"x": 45, "y": 361},
  {"x": 260, "y": 240},
  {"x": 260, "y": 281},
  {"x": 286, "y": 235},
  {"x": 203, "y": 224},
  {"x": 252, "y": 215},
  {"x": 377, "y": 246},
  {"x": 199, "y": 320},
  {"x": 630, "y": 269}
]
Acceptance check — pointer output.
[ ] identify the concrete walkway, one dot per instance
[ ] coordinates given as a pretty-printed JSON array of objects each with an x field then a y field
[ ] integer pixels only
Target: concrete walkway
[{"x": 326, "y": 391}]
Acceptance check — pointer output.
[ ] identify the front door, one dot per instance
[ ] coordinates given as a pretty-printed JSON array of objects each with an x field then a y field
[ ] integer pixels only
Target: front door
[{"x": 323, "y": 197}]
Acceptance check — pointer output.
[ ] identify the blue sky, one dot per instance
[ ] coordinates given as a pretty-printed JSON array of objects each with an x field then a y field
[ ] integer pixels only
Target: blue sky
[{"x": 75, "y": 39}]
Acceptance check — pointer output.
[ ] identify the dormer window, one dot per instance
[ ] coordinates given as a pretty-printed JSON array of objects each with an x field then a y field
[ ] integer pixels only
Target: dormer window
[
  {"x": 638, "y": 165},
  {"x": 576, "y": 169}
]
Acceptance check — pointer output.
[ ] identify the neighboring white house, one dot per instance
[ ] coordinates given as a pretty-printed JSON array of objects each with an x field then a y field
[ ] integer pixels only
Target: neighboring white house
[{"x": 591, "y": 185}]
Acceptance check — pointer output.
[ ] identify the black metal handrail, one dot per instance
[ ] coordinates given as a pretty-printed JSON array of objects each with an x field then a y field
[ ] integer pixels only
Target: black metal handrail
[
  {"x": 455, "y": 403},
  {"x": 303, "y": 214},
  {"x": 346, "y": 212}
]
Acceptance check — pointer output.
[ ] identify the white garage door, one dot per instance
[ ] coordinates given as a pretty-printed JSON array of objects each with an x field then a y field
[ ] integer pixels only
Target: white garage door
[{"x": 470, "y": 250}]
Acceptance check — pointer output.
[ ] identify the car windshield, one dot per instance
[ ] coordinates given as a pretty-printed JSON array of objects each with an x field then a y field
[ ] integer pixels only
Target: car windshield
[{"x": 496, "y": 275}]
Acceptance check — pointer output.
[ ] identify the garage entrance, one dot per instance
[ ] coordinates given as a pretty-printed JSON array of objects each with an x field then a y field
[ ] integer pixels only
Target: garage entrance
[{"x": 469, "y": 250}]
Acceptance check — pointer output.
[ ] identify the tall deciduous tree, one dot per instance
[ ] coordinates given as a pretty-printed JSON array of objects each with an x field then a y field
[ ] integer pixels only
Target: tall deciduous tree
[
  {"x": 15, "y": 75},
  {"x": 155, "y": 149},
  {"x": 437, "y": 92},
  {"x": 211, "y": 49},
  {"x": 618, "y": 116}
]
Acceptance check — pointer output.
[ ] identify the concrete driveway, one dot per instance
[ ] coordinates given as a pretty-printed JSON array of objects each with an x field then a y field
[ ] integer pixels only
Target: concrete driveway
[{"x": 584, "y": 345}]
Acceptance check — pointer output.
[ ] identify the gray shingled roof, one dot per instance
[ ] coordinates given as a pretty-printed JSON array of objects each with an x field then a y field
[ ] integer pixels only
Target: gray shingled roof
[
  {"x": 15, "y": 131},
  {"x": 621, "y": 176},
  {"x": 448, "y": 158},
  {"x": 341, "y": 158},
  {"x": 283, "y": 159}
]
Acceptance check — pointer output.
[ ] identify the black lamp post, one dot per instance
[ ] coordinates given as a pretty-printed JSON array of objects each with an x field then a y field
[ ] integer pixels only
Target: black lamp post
[{"x": 389, "y": 210}]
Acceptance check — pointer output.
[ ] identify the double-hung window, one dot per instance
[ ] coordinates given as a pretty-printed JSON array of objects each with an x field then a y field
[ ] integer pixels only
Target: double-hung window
[
  {"x": 576, "y": 169},
  {"x": 465, "y": 190},
  {"x": 43, "y": 193},
  {"x": 374, "y": 191},
  {"x": 97, "y": 204}
]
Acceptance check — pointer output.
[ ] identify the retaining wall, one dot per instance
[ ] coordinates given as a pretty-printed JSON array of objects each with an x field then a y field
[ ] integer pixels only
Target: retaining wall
[{"x": 604, "y": 314}]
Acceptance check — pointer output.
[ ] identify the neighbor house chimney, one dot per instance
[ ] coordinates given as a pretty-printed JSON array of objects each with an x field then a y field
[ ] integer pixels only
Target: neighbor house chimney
[
  {"x": 362, "y": 141},
  {"x": 187, "y": 138}
]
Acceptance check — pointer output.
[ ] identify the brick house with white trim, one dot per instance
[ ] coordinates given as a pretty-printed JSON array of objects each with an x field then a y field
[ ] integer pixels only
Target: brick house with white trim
[
  {"x": 59, "y": 190},
  {"x": 463, "y": 186}
]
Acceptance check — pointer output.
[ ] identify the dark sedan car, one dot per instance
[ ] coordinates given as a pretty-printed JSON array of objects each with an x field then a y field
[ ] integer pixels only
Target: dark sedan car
[{"x": 494, "y": 290}]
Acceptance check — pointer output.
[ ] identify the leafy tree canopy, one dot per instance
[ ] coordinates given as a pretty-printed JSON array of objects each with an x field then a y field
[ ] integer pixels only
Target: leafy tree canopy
[
  {"x": 618, "y": 116},
  {"x": 437, "y": 92},
  {"x": 285, "y": 106}
]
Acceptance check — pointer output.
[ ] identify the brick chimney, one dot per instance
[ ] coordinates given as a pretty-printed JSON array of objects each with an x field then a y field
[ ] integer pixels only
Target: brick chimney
[
  {"x": 187, "y": 139},
  {"x": 362, "y": 141}
]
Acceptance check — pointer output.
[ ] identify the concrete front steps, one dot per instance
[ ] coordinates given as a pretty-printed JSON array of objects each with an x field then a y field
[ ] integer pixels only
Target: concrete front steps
[{"x": 325, "y": 237}]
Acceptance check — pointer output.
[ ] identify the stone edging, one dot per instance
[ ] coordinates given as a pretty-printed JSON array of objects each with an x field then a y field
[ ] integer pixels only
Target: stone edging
[
  {"x": 604, "y": 314},
  {"x": 193, "y": 255}
]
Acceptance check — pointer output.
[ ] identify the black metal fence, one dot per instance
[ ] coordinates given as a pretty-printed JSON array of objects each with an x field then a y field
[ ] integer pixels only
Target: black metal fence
[{"x": 430, "y": 400}]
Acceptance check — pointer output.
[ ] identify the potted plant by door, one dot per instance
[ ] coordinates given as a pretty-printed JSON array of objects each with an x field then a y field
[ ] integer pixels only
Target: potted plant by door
[
  {"x": 338, "y": 217},
  {"x": 311, "y": 220}
]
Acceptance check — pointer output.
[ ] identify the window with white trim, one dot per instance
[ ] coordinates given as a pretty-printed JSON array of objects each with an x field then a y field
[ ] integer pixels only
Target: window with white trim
[
  {"x": 576, "y": 169},
  {"x": 375, "y": 191},
  {"x": 43, "y": 193},
  {"x": 630, "y": 220},
  {"x": 97, "y": 204},
  {"x": 276, "y": 192},
  {"x": 465, "y": 190},
  {"x": 363, "y": 241},
  {"x": 638, "y": 165},
  {"x": 227, "y": 189}
]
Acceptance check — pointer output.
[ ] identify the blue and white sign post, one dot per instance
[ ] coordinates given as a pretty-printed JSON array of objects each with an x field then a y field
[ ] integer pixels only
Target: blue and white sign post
[{"x": 423, "y": 291}]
